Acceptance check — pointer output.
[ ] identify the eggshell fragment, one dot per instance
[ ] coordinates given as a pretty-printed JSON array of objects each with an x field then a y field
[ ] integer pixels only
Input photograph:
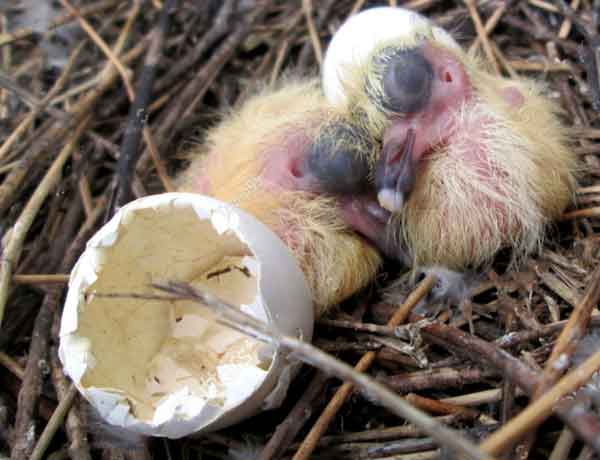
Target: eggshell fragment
[{"x": 166, "y": 368}]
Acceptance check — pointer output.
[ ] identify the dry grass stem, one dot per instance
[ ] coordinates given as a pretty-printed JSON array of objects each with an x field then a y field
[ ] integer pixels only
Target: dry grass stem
[
  {"x": 482, "y": 35},
  {"x": 106, "y": 95},
  {"x": 41, "y": 279},
  {"x": 538, "y": 411},
  {"x": 232, "y": 317},
  {"x": 321, "y": 425},
  {"x": 12, "y": 251},
  {"x": 54, "y": 424}
]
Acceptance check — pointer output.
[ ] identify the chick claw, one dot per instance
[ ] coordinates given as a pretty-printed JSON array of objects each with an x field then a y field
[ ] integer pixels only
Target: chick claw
[{"x": 396, "y": 174}]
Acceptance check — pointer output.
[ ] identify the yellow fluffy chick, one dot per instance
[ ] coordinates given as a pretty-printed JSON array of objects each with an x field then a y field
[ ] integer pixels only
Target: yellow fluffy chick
[
  {"x": 256, "y": 159},
  {"x": 408, "y": 149},
  {"x": 470, "y": 162}
]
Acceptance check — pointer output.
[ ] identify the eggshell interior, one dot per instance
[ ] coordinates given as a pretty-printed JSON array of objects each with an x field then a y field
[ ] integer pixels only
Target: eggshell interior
[{"x": 164, "y": 367}]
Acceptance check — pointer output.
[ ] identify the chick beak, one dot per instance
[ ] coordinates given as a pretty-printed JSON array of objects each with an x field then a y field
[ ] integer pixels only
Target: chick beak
[{"x": 396, "y": 172}]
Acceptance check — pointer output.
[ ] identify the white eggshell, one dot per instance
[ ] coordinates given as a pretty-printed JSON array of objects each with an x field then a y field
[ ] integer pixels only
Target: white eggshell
[
  {"x": 166, "y": 368},
  {"x": 355, "y": 40}
]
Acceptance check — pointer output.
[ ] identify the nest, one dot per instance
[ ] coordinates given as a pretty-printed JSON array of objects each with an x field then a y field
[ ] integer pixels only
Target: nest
[{"x": 99, "y": 101}]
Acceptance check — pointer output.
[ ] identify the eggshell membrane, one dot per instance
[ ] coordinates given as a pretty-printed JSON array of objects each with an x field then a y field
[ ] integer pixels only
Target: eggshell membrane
[
  {"x": 356, "y": 39},
  {"x": 165, "y": 368}
]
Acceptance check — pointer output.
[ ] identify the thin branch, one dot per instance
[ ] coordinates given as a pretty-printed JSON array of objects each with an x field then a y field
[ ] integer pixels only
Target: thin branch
[
  {"x": 33, "y": 102},
  {"x": 40, "y": 279},
  {"x": 12, "y": 252},
  {"x": 136, "y": 120},
  {"x": 112, "y": 57},
  {"x": 538, "y": 411},
  {"x": 54, "y": 424},
  {"x": 89, "y": 10},
  {"x": 400, "y": 316},
  {"x": 232, "y": 317},
  {"x": 572, "y": 333},
  {"x": 307, "y": 7}
]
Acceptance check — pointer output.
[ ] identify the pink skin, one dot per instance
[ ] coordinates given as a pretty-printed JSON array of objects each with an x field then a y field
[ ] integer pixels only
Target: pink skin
[
  {"x": 450, "y": 88},
  {"x": 364, "y": 215},
  {"x": 202, "y": 184},
  {"x": 433, "y": 126},
  {"x": 284, "y": 165},
  {"x": 284, "y": 168}
]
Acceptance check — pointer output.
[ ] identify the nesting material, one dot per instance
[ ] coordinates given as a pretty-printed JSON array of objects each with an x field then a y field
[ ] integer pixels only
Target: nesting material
[{"x": 166, "y": 368}]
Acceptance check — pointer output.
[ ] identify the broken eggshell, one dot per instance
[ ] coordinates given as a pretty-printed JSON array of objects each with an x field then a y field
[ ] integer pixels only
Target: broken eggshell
[{"x": 166, "y": 368}]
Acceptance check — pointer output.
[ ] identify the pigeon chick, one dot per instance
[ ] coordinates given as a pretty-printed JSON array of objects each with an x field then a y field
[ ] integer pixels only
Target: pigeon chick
[
  {"x": 411, "y": 150},
  {"x": 271, "y": 158},
  {"x": 468, "y": 162}
]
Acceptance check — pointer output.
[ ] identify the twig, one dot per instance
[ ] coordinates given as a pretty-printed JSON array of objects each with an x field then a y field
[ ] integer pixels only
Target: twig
[
  {"x": 307, "y": 7},
  {"x": 293, "y": 423},
  {"x": 136, "y": 120},
  {"x": 40, "y": 279},
  {"x": 586, "y": 454},
  {"x": 320, "y": 426},
  {"x": 79, "y": 448},
  {"x": 54, "y": 424},
  {"x": 563, "y": 445},
  {"x": 482, "y": 352},
  {"x": 384, "y": 434},
  {"x": 490, "y": 24},
  {"x": 565, "y": 27},
  {"x": 358, "y": 4},
  {"x": 584, "y": 423},
  {"x": 589, "y": 55},
  {"x": 358, "y": 326},
  {"x": 86, "y": 26},
  {"x": 482, "y": 35},
  {"x": 6, "y": 64},
  {"x": 232, "y": 317},
  {"x": 538, "y": 411},
  {"x": 60, "y": 20},
  {"x": 544, "y": 5},
  {"x": 435, "y": 406},
  {"x": 12, "y": 252},
  {"x": 444, "y": 377},
  {"x": 32, "y": 382},
  {"x": 514, "y": 338},
  {"x": 379, "y": 449},
  {"x": 38, "y": 349},
  {"x": 33, "y": 102},
  {"x": 568, "y": 339},
  {"x": 476, "y": 399},
  {"x": 195, "y": 90},
  {"x": 284, "y": 48},
  {"x": 581, "y": 213},
  {"x": 508, "y": 400},
  {"x": 559, "y": 287},
  {"x": 12, "y": 365},
  {"x": 29, "y": 119},
  {"x": 521, "y": 375},
  {"x": 220, "y": 26},
  {"x": 58, "y": 130},
  {"x": 323, "y": 12}
]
